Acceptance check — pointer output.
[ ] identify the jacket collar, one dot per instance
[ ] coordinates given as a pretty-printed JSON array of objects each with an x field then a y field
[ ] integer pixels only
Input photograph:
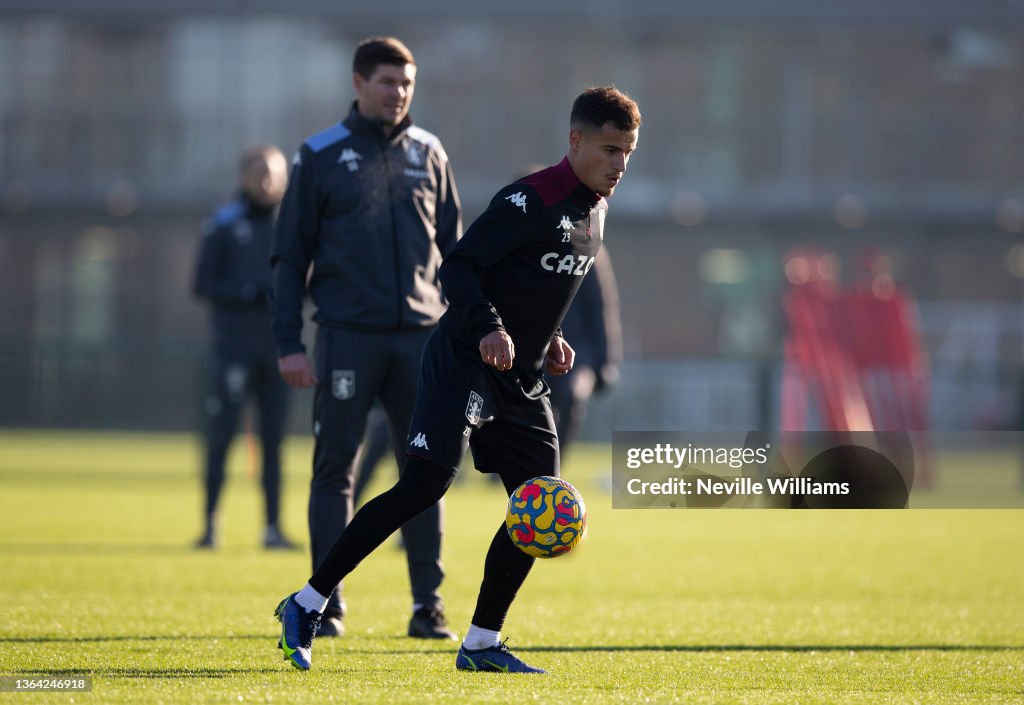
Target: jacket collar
[
  {"x": 251, "y": 209},
  {"x": 568, "y": 181},
  {"x": 357, "y": 123}
]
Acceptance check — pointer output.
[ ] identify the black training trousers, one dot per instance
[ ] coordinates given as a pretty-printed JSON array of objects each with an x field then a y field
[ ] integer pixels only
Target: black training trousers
[{"x": 354, "y": 369}]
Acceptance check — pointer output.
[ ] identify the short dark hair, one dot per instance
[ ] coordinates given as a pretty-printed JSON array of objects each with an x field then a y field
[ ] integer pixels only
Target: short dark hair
[
  {"x": 596, "y": 106},
  {"x": 374, "y": 51}
]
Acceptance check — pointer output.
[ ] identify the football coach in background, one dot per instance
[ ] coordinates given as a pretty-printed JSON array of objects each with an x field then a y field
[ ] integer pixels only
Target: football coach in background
[
  {"x": 233, "y": 276},
  {"x": 372, "y": 206}
]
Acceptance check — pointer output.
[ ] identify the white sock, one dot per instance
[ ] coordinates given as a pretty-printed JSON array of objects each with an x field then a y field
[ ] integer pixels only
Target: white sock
[
  {"x": 310, "y": 600},
  {"x": 478, "y": 638}
]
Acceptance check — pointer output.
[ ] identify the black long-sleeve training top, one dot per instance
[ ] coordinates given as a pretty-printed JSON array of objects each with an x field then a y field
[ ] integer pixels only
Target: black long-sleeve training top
[
  {"x": 374, "y": 215},
  {"x": 522, "y": 261}
]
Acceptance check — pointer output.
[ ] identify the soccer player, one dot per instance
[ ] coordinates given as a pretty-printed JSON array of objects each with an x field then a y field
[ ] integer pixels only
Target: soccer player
[
  {"x": 233, "y": 276},
  {"x": 509, "y": 282},
  {"x": 372, "y": 205}
]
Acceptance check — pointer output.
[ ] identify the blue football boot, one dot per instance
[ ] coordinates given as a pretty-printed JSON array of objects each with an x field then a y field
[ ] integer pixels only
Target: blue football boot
[
  {"x": 493, "y": 658},
  {"x": 298, "y": 627}
]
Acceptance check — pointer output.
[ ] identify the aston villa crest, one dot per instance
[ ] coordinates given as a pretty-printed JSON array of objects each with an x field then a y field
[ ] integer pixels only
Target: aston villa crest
[
  {"x": 474, "y": 408},
  {"x": 343, "y": 384},
  {"x": 415, "y": 154}
]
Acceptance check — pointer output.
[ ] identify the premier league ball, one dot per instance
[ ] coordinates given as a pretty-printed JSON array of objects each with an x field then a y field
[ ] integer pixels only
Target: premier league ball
[{"x": 546, "y": 517}]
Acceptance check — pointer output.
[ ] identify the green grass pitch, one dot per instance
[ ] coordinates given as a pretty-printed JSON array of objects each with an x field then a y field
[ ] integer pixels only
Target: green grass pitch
[{"x": 700, "y": 606}]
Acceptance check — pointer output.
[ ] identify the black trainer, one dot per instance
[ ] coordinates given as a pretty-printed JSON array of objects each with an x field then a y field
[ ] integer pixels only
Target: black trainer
[
  {"x": 207, "y": 541},
  {"x": 332, "y": 625},
  {"x": 274, "y": 540},
  {"x": 429, "y": 623}
]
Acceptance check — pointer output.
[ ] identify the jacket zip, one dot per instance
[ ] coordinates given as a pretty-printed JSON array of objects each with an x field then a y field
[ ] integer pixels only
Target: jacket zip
[{"x": 385, "y": 147}]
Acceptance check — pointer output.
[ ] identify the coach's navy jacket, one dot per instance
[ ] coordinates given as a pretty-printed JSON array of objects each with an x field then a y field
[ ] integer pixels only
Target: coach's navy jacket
[
  {"x": 374, "y": 215},
  {"x": 233, "y": 275}
]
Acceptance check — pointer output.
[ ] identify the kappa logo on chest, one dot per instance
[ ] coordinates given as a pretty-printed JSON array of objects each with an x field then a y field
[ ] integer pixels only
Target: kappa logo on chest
[
  {"x": 350, "y": 158},
  {"x": 566, "y": 226}
]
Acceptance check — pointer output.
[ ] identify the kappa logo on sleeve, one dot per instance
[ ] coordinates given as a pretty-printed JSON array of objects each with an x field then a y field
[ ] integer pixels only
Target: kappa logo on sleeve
[
  {"x": 420, "y": 441},
  {"x": 517, "y": 199}
]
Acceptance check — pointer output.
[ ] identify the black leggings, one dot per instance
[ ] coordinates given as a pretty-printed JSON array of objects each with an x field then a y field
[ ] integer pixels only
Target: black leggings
[
  {"x": 505, "y": 571},
  {"x": 421, "y": 485}
]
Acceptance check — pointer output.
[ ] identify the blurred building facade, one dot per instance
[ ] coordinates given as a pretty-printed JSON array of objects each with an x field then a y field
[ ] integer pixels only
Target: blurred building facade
[{"x": 896, "y": 126}]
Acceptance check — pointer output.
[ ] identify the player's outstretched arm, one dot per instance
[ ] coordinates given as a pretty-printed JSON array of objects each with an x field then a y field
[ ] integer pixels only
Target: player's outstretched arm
[
  {"x": 498, "y": 350},
  {"x": 560, "y": 356}
]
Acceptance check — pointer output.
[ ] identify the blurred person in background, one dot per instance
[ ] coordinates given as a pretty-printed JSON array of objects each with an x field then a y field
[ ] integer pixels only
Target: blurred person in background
[
  {"x": 372, "y": 206},
  {"x": 595, "y": 329},
  {"x": 233, "y": 276}
]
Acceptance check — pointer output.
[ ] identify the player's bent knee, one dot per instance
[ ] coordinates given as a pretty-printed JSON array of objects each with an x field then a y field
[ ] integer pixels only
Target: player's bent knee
[{"x": 424, "y": 480}]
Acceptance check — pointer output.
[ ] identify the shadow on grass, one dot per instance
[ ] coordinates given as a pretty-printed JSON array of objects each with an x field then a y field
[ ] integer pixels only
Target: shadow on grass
[
  {"x": 435, "y": 647},
  {"x": 725, "y": 648},
  {"x": 440, "y": 647},
  {"x": 797, "y": 648},
  {"x": 128, "y": 637}
]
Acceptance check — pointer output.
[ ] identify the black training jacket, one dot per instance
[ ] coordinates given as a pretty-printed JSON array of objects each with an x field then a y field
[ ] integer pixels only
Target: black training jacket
[
  {"x": 233, "y": 275},
  {"x": 374, "y": 216},
  {"x": 522, "y": 261}
]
